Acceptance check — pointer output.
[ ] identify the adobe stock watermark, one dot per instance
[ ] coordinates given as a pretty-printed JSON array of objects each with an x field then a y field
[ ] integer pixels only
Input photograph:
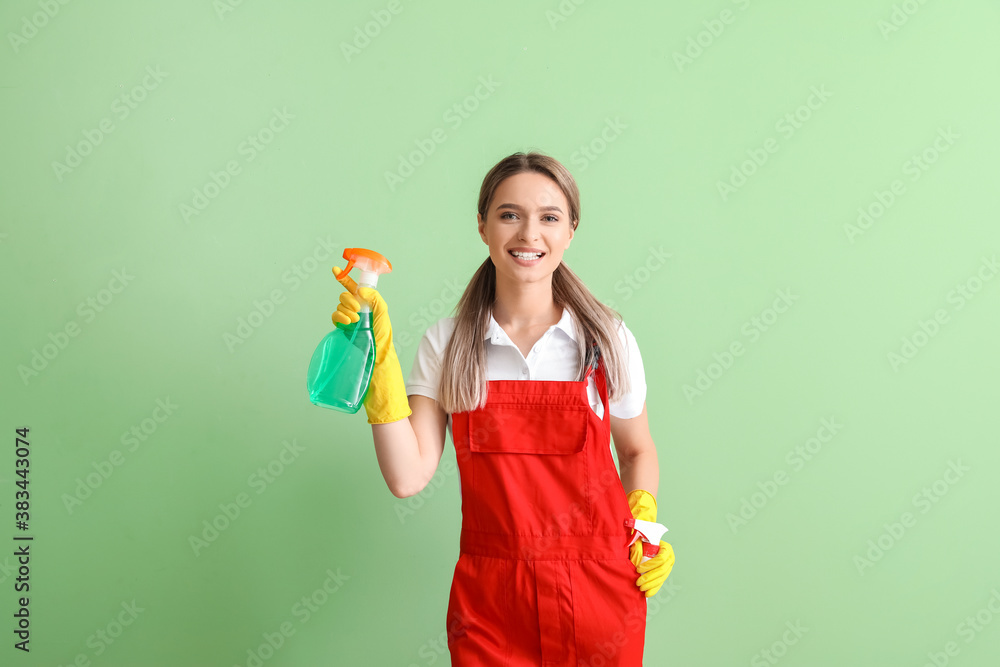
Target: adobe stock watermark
[
  {"x": 303, "y": 610},
  {"x": 87, "y": 310},
  {"x": 608, "y": 651},
  {"x": 701, "y": 42},
  {"x": 454, "y": 117},
  {"x": 796, "y": 458},
  {"x": 578, "y": 512},
  {"x": 436, "y": 648},
  {"x": 230, "y": 511},
  {"x": 786, "y": 126},
  {"x": 752, "y": 329},
  {"x": 587, "y": 153},
  {"x": 636, "y": 279},
  {"x": 223, "y": 7},
  {"x": 914, "y": 167},
  {"x": 428, "y": 314},
  {"x": 900, "y": 15},
  {"x": 967, "y": 630},
  {"x": 105, "y": 636},
  {"x": 30, "y": 25},
  {"x": 408, "y": 507},
  {"x": 779, "y": 647},
  {"x": 563, "y": 11},
  {"x": 248, "y": 149},
  {"x": 923, "y": 500},
  {"x": 928, "y": 329},
  {"x": 121, "y": 108},
  {"x": 293, "y": 277},
  {"x": 364, "y": 35},
  {"x": 131, "y": 439}
]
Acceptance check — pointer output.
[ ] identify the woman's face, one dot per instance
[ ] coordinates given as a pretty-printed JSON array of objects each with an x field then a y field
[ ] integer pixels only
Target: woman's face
[{"x": 529, "y": 215}]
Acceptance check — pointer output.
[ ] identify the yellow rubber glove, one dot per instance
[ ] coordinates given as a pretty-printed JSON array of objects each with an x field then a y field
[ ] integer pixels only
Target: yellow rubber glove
[
  {"x": 655, "y": 570},
  {"x": 386, "y": 399}
]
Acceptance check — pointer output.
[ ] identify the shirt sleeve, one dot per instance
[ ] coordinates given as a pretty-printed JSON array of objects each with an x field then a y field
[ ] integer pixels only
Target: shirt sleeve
[
  {"x": 426, "y": 371},
  {"x": 630, "y": 405}
]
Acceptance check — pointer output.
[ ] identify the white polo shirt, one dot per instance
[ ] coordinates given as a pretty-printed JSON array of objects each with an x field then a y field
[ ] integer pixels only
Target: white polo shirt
[{"x": 553, "y": 357}]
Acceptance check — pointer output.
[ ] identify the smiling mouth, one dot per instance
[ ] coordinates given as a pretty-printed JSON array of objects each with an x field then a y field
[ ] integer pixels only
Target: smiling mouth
[{"x": 527, "y": 256}]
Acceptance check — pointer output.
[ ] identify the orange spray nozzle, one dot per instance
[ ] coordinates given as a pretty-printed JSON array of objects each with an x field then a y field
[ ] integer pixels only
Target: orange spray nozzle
[{"x": 370, "y": 263}]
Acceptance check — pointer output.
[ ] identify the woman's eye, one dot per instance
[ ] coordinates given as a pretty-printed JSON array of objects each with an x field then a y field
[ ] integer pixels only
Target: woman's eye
[{"x": 547, "y": 218}]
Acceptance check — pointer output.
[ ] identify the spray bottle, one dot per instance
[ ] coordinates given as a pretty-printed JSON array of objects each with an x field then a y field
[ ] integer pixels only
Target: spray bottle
[
  {"x": 341, "y": 366},
  {"x": 650, "y": 533}
]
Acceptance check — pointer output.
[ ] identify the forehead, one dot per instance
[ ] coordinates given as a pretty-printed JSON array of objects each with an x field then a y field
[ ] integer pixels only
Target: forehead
[{"x": 530, "y": 189}]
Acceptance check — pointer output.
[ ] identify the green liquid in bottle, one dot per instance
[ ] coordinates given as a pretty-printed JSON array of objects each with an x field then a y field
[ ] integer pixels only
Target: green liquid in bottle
[{"x": 341, "y": 366}]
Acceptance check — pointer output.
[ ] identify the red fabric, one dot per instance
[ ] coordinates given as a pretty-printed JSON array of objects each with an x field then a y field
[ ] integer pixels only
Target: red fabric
[{"x": 543, "y": 575}]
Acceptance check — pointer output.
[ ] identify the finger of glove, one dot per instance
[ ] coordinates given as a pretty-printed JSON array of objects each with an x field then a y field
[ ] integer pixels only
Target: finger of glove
[
  {"x": 665, "y": 556},
  {"x": 345, "y": 314},
  {"x": 380, "y": 311},
  {"x": 381, "y": 326},
  {"x": 652, "y": 589},
  {"x": 656, "y": 575},
  {"x": 350, "y": 303},
  {"x": 371, "y": 297},
  {"x": 346, "y": 280},
  {"x": 654, "y": 578},
  {"x": 635, "y": 553},
  {"x": 652, "y": 574}
]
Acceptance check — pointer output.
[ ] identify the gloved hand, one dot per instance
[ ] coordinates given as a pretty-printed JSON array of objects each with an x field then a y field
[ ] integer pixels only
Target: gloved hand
[
  {"x": 655, "y": 570},
  {"x": 386, "y": 399}
]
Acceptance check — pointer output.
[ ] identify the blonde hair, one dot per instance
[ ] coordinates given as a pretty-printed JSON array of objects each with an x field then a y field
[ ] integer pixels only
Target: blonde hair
[{"x": 464, "y": 383}]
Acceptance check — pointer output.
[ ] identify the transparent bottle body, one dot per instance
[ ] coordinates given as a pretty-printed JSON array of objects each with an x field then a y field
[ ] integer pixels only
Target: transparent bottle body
[{"x": 341, "y": 367}]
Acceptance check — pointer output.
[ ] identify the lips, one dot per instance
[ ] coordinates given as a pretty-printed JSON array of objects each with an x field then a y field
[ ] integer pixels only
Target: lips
[{"x": 527, "y": 256}]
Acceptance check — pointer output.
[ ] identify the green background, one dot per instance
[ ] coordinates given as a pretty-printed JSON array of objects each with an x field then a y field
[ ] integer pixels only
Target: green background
[{"x": 561, "y": 74}]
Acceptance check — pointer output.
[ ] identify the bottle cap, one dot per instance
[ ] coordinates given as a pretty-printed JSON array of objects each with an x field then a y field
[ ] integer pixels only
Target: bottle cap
[{"x": 368, "y": 261}]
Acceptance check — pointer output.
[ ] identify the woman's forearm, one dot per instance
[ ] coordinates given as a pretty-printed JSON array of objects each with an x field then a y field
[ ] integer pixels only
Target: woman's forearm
[
  {"x": 641, "y": 471},
  {"x": 399, "y": 458}
]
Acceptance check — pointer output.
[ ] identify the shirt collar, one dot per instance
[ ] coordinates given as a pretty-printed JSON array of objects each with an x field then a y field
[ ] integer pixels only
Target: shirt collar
[{"x": 566, "y": 324}]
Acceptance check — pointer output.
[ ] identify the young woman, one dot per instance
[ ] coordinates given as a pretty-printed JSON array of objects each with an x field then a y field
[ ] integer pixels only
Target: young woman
[{"x": 532, "y": 378}]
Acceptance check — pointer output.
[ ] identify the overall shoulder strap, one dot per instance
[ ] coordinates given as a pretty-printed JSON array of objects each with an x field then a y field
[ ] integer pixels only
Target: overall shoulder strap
[{"x": 592, "y": 360}]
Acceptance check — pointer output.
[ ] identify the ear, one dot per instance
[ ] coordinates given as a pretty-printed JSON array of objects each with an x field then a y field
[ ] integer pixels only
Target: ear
[
  {"x": 482, "y": 228},
  {"x": 571, "y": 233}
]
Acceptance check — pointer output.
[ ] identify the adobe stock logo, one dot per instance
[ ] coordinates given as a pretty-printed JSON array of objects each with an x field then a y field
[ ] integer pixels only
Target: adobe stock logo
[
  {"x": 923, "y": 500},
  {"x": 753, "y": 329},
  {"x": 589, "y": 152},
  {"x": 968, "y": 629},
  {"x": 797, "y": 458},
  {"x": 714, "y": 28},
  {"x": 381, "y": 18},
  {"x": 121, "y": 107},
  {"x": 915, "y": 167},
  {"x": 455, "y": 116},
  {"x": 88, "y": 310},
  {"x": 249, "y": 149},
  {"x": 899, "y": 17},
  {"x": 786, "y": 126},
  {"x": 38, "y": 20},
  {"x": 928, "y": 329}
]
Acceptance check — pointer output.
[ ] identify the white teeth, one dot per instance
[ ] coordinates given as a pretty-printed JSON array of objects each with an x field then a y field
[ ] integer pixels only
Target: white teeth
[{"x": 526, "y": 255}]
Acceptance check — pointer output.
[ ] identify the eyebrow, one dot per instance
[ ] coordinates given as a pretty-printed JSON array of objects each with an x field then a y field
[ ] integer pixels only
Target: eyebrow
[{"x": 518, "y": 208}]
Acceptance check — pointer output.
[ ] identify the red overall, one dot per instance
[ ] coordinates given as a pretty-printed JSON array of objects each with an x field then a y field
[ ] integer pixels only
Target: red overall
[{"x": 543, "y": 576}]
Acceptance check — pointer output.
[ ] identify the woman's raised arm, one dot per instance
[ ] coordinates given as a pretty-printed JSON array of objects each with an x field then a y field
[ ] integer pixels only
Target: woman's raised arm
[{"x": 410, "y": 449}]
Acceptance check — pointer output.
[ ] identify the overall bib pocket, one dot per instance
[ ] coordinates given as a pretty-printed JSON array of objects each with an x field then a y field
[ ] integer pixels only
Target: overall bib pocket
[{"x": 521, "y": 458}]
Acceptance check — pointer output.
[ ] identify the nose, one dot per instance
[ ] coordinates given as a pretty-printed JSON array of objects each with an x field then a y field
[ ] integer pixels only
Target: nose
[{"x": 528, "y": 231}]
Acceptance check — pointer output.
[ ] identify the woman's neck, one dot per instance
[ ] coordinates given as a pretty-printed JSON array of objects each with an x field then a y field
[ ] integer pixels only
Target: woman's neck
[{"x": 525, "y": 305}]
